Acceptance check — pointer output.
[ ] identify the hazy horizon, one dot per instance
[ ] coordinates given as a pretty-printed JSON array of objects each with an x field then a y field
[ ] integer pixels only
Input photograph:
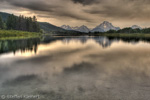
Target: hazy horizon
[{"x": 121, "y": 13}]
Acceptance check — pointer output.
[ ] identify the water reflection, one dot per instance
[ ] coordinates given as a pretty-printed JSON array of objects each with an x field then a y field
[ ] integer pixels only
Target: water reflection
[
  {"x": 78, "y": 68},
  {"x": 31, "y": 44},
  {"x": 23, "y": 45}
]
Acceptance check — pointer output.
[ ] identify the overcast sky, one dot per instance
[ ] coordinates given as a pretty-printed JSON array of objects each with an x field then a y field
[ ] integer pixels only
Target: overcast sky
[{"x": 122, "y": 13}]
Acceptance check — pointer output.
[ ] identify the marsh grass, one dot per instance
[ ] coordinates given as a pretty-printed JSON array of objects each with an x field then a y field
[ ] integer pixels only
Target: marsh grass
[{"x": 13, "y": 34}]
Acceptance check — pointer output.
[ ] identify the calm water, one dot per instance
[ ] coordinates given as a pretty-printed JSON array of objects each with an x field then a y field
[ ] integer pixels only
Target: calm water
[{"x": 79, "y": 68}]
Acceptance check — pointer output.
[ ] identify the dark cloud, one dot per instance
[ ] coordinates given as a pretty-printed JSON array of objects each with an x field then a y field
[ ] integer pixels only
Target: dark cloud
[
  {"x": 44, "y": 7},
  {"x": 85, "y": 2},
  {"x": 125, "y": 9},
  {"x": 34, "y": 5}
]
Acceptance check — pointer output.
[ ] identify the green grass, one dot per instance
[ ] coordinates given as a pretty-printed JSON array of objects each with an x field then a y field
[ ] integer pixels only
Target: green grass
[
  {"x": 143, "y": 35},
  {"x": 13, "y": 34}
]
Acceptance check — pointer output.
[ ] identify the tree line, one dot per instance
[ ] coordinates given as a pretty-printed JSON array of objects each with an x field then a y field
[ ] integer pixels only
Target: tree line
[
  {"x": 21, "y": 22},
  {"x": 130, "y": 30},
  {"x": 125, "y": 30}
]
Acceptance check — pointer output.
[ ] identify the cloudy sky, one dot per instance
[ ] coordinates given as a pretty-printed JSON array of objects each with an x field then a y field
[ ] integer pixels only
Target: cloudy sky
[{"x": 122, "y": 13}]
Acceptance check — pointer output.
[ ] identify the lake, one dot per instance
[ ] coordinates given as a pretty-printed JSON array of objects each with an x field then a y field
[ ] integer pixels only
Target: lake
[{"x": 75, "y": 68}]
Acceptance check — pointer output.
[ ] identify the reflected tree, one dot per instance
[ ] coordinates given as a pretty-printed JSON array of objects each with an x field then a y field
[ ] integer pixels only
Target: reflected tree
[{"x": 15, "y": 45}]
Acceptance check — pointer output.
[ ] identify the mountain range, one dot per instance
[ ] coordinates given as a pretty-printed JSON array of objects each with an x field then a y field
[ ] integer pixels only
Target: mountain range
[
  {"x": 47, "y": 27},
  {"x": 82, "y": 28},
  {"x": 103, "y": 27}
]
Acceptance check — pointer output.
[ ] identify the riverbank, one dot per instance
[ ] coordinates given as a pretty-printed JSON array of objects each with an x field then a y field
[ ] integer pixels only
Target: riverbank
[
  {"x": 128, "y": 35},
  {"x": 14, "y": 34}
]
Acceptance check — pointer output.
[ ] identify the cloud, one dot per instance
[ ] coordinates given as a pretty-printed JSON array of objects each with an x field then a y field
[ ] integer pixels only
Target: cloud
[
  {"x": 121, "y": 9},
  {"x": 78, "y": 12},
  {"x": 48, "y": 8},
  {"x": 79, "y": 68},
  {"x": 85, "y": 2},
  {"x": 33, "y": 5}
]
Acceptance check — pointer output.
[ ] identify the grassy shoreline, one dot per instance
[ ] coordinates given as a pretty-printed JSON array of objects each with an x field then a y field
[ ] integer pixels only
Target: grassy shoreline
[
  {"x": 128, "y": 35},
  {"x": 14, "y": 34}
]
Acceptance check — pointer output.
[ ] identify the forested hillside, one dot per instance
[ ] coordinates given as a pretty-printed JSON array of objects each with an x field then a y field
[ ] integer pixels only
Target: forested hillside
[
  {"x": 20, "y": 23},
  {"x": 46, "y": 27},
  {"x": 4, "y": 16},
  {"x": 130, "y": 30}
]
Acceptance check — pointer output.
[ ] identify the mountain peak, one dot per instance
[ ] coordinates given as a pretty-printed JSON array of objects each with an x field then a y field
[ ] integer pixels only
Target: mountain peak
[
  {"x": 136, "y": 27},
  {"x": 67, "y": 27},
  {"x": 104, "y": 27},
  {"x": 106, "y": 22},
  {"x": 83, "y": 28}
]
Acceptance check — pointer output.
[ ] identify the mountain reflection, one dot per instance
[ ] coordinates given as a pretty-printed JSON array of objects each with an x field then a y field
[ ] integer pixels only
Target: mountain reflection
[{"x": 31, "y": 44}]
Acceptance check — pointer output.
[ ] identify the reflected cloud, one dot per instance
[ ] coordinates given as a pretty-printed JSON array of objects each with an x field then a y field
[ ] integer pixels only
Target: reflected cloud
[
  {"x": 83, "y": 67},
  {"x": 64, "y": 68},
  {"x": 21, "y": 80}
]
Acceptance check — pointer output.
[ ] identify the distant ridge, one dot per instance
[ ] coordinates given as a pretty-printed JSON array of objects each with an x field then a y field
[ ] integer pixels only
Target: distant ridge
[
  {"x": 4, "y": 15},
  {"x": 47, "y": 27}
]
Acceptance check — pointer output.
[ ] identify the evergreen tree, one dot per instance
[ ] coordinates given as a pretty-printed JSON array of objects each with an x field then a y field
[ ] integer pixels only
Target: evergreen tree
[
  {"x": 1, "y": 23},
  {"x": 30, "y": 24},
  {"x": 11, "y": 22},
  {"x": 36, "y": 27},
  {"x": 23, "y": 23}
]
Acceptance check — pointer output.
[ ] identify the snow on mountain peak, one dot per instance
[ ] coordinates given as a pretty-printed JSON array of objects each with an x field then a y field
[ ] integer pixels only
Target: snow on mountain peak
[
  {"x": 82, "y": 28},
  {"x": 104, "y": 27},
  {"x": 136, "y": 27},
  {"x": 67, "y": 27}
]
